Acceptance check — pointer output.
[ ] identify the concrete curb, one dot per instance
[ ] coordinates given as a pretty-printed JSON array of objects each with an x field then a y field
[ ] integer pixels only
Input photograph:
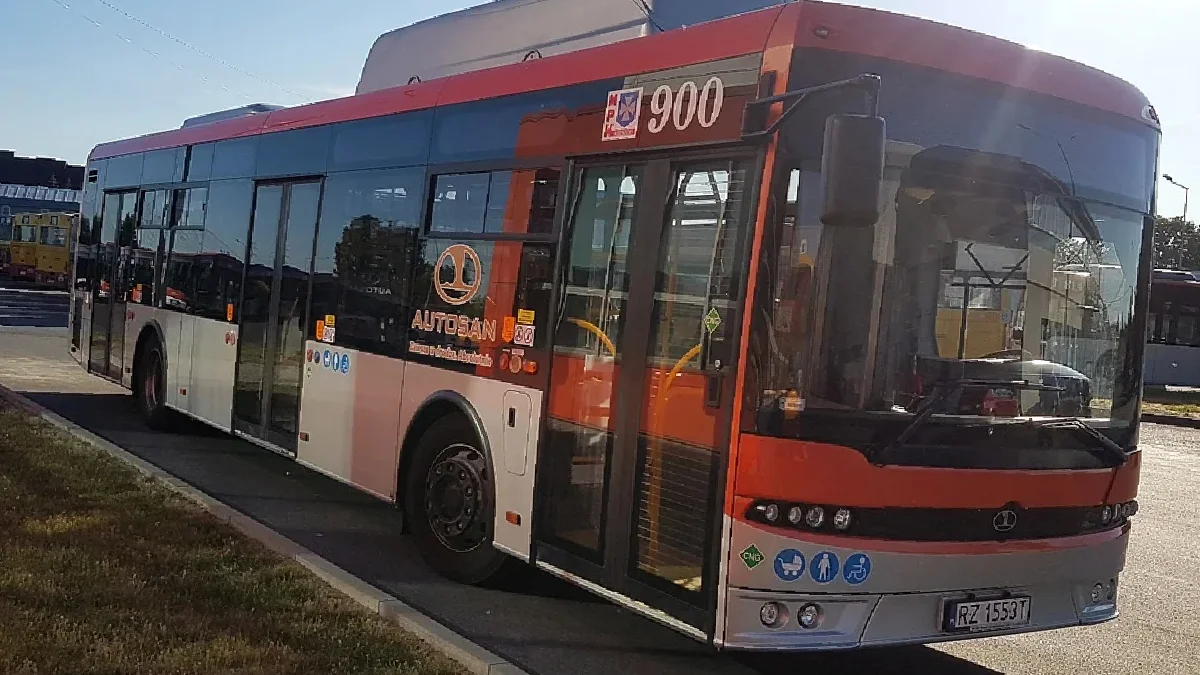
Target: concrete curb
[{"x": 476, "y": 659}]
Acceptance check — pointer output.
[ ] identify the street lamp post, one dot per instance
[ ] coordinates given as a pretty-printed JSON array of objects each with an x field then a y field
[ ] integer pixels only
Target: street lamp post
[{"x": 1172, "y": 181}]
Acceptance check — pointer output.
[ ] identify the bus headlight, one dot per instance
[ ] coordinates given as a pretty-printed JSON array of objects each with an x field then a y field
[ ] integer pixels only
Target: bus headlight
[
  {"x": 773, "y": 615},
  {"x": 1097, "y": 594},
  {"x": 815, "y": 517},
  {"x": 809, "y": 616},
  {"x": 841, "y": 519}
]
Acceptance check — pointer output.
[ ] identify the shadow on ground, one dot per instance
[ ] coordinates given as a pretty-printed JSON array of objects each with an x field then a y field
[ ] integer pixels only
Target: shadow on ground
[{"x": 538, "y": 622}]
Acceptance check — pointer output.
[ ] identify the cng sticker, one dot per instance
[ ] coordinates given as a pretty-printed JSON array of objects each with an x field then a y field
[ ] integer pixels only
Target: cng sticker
[
  {"x": 712, "y": 320},
  {"x": 752, "y": 557}
]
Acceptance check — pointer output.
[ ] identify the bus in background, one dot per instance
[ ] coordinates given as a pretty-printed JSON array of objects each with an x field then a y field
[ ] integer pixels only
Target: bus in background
[
  {"x": 55, "y": 248},
  {"x": 6, "y": 231},
  {"x": 1173, "y": 330},
  {"x": 23, "y": 249},
  {"x": 666, "y": 317}
]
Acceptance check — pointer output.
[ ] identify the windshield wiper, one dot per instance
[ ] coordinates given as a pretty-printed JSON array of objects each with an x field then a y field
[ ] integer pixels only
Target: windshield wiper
[
  {"x": 1109, "y": 448},
  {"x": 941, "y": 391}
]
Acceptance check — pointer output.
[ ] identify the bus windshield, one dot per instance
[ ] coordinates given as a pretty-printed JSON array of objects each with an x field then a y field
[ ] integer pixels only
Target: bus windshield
[{"x": 1000, "y": 283}]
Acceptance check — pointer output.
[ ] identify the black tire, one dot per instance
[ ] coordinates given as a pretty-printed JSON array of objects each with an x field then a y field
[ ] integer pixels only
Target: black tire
[
  {"x": 150, "y": 386},
  {"x": 450, "y": 484}
]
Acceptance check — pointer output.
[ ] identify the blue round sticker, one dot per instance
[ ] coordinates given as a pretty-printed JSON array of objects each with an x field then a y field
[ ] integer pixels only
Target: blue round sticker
[
  {"x": 789, "y": 564},
  {"x": 824, "y": 567},
  {"x": 345, "y": 363},
  {"x": 325, "y": 358},
  {"x": 857, "y": 569}
]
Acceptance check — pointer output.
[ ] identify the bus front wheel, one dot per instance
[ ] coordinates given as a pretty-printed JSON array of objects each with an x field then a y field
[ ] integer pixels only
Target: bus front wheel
[{"x": 450, "y": 504}]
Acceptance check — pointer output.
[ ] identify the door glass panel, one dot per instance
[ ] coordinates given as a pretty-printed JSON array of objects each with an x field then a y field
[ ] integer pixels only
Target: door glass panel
[
  {"x": 122, "y": 269},
  {"x": 256, "y": 305},
  {"x": 587, "y": 348},
  {"x": 102, "y": 289},
  {"x": 300, "y": 229},
  {"x": 688, "y": 386}
]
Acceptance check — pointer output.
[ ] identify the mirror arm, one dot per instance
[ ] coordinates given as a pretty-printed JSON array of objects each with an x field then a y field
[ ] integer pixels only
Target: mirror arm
[{"x": 867, "y": 82}]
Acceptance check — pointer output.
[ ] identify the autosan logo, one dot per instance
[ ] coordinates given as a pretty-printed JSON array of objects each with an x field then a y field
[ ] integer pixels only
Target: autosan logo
[
  {"x": 458, "y": 291},
  {"x": 457, "y": 278},
  {"x": 1004, "y": 521}
]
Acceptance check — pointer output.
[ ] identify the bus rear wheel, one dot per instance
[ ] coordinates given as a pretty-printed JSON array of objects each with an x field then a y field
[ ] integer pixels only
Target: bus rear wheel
[
  {"x": 150, "y": 386},
  {"x": 450, "y": 504}
]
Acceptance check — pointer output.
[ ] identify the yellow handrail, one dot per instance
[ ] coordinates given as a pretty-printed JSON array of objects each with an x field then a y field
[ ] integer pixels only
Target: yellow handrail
[{"x": 595, "y": 330}]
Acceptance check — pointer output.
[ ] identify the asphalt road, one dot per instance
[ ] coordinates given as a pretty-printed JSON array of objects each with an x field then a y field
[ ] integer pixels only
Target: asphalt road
[
  {"x": 29, "y": 307},
  {"x": 549, "y": 628}
]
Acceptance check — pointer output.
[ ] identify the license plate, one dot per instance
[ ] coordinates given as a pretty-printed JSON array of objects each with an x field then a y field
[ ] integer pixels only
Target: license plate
[{"x": 984, "y": 615}]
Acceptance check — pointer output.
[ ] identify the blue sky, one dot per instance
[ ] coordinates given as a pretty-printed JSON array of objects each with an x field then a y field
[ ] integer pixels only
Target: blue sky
[{"x": 67, "y": 84}]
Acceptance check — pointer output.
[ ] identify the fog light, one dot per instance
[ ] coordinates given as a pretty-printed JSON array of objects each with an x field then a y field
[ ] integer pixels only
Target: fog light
[
  {"x": 841, "y": 519},
  {"x": 815, "y": 517},
  {"x": 1110, "y": 590},
  {"x": 1097, "y": 593},
  {"x": 809, "y": 616},
  {"x": 771, "y": 512},
  {"x": 773, "y": 615},
  {"x": 795, "y": 515}
]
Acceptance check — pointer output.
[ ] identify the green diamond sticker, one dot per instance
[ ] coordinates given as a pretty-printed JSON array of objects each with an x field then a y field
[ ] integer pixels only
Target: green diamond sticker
[
  {"x": 712, "y": 320},
  {"x": 752, "y": 556}
]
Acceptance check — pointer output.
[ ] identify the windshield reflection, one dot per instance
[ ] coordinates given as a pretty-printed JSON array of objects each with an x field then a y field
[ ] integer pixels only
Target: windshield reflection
[{"x": 985, "y": 284}]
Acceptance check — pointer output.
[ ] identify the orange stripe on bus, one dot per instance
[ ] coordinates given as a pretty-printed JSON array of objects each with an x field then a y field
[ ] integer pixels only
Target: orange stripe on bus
[{"x": 801, "y": 471}]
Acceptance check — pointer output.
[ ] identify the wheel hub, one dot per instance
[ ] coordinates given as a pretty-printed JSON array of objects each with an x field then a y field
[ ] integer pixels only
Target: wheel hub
[{"x": 454, "y": 497}]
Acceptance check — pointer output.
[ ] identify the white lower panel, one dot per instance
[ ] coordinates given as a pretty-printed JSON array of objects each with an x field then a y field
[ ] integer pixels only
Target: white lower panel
[
  {"x": 214, "y": 355},
  {"x": 514, "y": 483}
]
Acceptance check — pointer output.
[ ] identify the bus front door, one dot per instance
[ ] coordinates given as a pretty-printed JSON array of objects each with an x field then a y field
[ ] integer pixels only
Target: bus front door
[
  {"x": 273, "y": 321},
  {"x": 632, "y": 463}
]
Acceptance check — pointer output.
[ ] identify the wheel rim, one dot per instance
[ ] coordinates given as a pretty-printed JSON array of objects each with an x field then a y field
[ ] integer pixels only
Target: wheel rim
[
  {"x": 151, "y": 382},
  {"x": 455, "y": 490}
]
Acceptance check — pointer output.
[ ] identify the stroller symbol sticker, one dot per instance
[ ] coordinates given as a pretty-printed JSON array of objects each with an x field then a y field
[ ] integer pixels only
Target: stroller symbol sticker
[{"x": 789, "y": 564}]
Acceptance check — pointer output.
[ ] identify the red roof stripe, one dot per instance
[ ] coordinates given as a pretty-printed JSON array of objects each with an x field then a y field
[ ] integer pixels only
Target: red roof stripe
[{"x": 727, "y": 38}]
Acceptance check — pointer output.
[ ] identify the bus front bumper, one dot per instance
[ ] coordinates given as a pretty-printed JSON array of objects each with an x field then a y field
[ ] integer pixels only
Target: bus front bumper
[{"x": 870, "y": 620}]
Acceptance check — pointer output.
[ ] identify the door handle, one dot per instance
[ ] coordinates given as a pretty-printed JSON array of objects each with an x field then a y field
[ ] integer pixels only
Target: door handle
[
  {"x": 713, "y": 384},
  {"x": 512, "y": 418}
]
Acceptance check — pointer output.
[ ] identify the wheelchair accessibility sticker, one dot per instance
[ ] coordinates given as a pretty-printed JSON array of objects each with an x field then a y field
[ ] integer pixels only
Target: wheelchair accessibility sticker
[{"x": 856, "y": 569}]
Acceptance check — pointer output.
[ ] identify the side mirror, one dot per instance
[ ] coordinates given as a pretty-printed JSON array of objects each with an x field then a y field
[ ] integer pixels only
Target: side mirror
[{"x": 852, "y": 170}]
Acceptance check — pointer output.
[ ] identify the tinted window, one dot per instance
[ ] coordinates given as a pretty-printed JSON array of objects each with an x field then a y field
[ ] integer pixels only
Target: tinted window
[
  {"x": 460, "y": 203},
  {"x": 182, "y": 270},
  {"x": 364, "y": 250},
  {"x": 145, "y": 260},
  {"x": 235, "y": 158},
  {"x": 1043, "y": 143},
  {"x": 499, "y": 202},
  {"x": 200, "y": 159},
  {"x": 396, "y": 140},
  {"x": 492, "y": 129},
  {"x": 156, "y": 206},
  {"x": 291, "y": 153},
  {"x": 125, "y": 171},
  {"x": 163, "y": 166},
  {"x": 219, "y": 262},
  {"x": 190, "y": 206}
]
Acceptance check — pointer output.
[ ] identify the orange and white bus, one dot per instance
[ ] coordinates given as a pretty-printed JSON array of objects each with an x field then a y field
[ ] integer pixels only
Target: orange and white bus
[{"x": 661, "y": 317}]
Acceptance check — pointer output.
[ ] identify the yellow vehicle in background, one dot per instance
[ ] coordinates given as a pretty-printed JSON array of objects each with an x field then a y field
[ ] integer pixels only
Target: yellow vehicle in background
[
  {"x": 41, "y": 247},
  {"x": 56, "y": 236},
  {"x": 23, "y": 248}
]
